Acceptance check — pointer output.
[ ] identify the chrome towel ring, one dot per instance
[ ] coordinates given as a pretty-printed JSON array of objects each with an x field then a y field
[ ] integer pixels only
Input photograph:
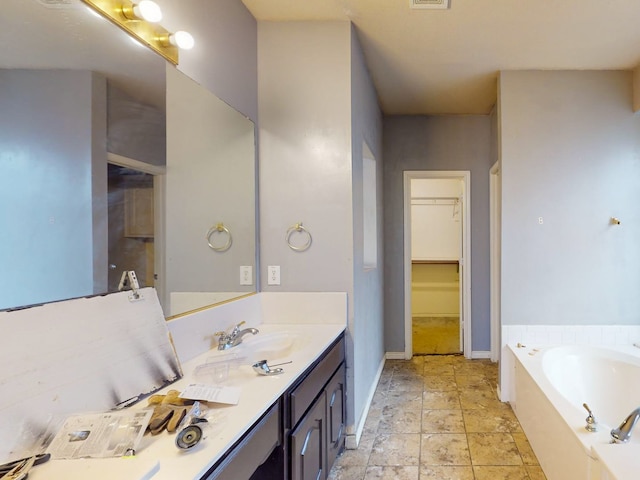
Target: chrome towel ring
[
  {"x": 299, "y": 228},
  {"x": 219, "y": 229}
]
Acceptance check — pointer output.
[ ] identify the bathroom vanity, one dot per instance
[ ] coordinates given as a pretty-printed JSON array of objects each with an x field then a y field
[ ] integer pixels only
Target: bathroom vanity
[
  {"x": 301, "y": 434},
  {"x": 289, "y": 426}
]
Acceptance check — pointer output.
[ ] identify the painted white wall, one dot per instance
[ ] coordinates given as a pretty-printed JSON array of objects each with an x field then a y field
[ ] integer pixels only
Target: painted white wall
[
  {"x": 316, "y": 107},
  {"x": 65, "y": 112},
  {"x": 570, "y": 146},
  {"x": 210, "y": 172}
]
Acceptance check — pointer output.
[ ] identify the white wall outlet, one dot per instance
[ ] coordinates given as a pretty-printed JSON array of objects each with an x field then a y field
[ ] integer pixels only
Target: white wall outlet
[
  {"x": 540, "y": 220},
  {"x": 273, "y": 275},
  {"x": 246, "y": 275}
]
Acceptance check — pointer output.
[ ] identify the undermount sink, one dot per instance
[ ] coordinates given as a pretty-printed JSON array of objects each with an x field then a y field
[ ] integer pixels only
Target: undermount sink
[{"x": 269, "y": 346}]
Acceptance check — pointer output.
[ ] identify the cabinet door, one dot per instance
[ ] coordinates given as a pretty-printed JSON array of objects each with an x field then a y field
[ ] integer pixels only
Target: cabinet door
[
  {"x": 308, "y": 444},
  {"x": 335, "y": 416}
]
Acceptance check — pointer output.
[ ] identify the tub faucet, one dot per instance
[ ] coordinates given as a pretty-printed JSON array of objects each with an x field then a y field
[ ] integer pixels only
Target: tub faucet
[
  {"x": 622, "y": 434},
  {"x": 234, "y": 338}
]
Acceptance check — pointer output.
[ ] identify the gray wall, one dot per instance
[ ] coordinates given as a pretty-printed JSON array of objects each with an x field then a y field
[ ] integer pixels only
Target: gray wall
[
  {"x": 317, "y": 105},
  {"x": 571, "y": 154},
  {"x": 436, "y": 143},
  {"x": 53, "y": 177},
  {"x": 227, "y": 66},
  {"x": 368, "y": 320}
]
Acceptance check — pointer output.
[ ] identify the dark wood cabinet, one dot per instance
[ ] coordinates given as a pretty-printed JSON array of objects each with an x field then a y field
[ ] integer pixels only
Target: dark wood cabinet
[
  {"x": 308, "y": 444},
  {"x": 335, "y": 416},
  {"x": 300, "y": 436}
]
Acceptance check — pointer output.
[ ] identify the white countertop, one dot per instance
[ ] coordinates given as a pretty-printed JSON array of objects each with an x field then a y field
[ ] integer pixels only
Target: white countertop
[{"x": 158, "y": 458}]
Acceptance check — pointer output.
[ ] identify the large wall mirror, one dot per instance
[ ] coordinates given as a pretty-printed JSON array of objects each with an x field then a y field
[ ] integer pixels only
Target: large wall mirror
[{"x": 113, "y": 160}]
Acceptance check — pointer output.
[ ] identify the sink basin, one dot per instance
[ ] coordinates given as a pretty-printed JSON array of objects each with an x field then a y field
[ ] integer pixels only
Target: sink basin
[{"x": 269, "y": 346}]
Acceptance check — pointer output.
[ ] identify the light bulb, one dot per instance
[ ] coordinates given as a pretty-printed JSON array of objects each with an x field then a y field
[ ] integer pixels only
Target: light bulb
[
  {"x": 147, "y": 10},
  {"x": 182, "y": 39}
]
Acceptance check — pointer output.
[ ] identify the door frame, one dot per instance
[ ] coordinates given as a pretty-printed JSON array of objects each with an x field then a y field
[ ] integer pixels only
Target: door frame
[
  {"x": 465, "y": 290},
  {"x": 159, "y": 180}
]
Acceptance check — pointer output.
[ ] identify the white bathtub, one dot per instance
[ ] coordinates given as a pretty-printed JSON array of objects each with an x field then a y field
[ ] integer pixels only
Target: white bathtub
[{"x": 552, "y": 383}]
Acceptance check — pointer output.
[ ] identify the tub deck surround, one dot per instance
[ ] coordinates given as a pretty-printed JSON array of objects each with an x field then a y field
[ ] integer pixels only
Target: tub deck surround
[{"x": 550, "y": 385}]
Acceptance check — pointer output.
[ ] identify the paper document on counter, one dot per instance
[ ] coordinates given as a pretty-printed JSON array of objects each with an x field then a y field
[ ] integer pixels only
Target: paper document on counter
[
  {"x": 212, "y": 393},
  {"x": 99, "y": 435}
]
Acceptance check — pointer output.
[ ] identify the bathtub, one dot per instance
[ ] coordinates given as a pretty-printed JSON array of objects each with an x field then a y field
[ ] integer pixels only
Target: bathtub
[{"x": 551, "y": 385}]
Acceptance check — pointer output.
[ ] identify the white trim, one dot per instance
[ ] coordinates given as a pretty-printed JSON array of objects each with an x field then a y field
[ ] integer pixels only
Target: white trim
[
  {"x": 495, "y": 233},
  {"x": 395, "y": 356},
  {"x": 352, "y": 440},
  {"x": 480, "y": 354},
  {"x": 465, "y": 261},
  {"x": 135, "y": 164}
]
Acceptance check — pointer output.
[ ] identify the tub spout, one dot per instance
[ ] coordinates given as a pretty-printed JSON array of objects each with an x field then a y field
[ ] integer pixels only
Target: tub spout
[{"x": 622, "y": 434}]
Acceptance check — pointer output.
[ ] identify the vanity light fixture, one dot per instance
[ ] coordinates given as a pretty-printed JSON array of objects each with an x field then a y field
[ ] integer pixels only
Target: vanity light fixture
[
  {"x": 143, "y": 10},
  {"x": 139, "y": 19}
]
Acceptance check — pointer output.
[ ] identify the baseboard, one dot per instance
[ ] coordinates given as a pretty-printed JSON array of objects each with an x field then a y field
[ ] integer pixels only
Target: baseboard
[
  {"x": 478, "y": 354},
  {"x": 352, "y": 440},
  {"x": 395, "y": 356}
]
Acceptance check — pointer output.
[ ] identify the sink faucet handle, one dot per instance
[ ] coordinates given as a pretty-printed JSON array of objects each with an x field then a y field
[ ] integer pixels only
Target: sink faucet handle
[{"x": 591, "y": 420}]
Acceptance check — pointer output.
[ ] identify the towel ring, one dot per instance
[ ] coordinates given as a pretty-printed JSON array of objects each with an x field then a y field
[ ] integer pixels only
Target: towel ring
[
  {"x": 220, "y": 229},
  {"x": 300, "y": 229}
]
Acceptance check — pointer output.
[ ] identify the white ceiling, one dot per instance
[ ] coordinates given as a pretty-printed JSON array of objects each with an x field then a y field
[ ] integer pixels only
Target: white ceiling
[{"x": 447, "y": 61}]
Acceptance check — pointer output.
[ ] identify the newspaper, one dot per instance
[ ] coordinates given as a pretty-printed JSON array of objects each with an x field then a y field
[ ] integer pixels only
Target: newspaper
[{"x": 99, "y": 435}]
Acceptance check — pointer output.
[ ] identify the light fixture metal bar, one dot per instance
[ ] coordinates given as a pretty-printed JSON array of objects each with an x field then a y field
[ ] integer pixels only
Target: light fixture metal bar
[{"x": 152, "y": 35}]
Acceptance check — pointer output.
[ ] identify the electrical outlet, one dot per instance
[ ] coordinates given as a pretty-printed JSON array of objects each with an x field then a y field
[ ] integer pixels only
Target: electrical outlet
[
  {"x": 246, "y": 275},
  {"x": 273, "y": 275}
]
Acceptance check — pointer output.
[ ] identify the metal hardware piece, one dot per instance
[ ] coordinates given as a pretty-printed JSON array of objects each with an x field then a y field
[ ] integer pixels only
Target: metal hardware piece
[{"x": 592, "y": 425}]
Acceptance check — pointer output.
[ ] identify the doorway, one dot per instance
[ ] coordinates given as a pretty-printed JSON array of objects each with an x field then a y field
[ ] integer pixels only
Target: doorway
[{"x": 437, "y": 262}]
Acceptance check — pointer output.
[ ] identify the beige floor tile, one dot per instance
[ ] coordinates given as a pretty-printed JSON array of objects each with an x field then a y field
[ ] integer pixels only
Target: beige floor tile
[
  {"x": 347, "y": 472},
  {"x": 407, "y": 383},
  {"x": 491, "y": 420},
  {"x": 415, "y": 365},
  {"x": 493, "y": 449},
  {"x": 396, "y": 449},
  {"x": 535, "y": 472},
  {"x": 434, "y": 369},
  {"x": 472, "y": 381},
  {"x": 397, "y": 419},
  {"x": 443, "y": 359},
  {"x": 440, "y": 400},
  {"x": 500, "y": 473},
  {"x": 526, "y": 452},
  {"x": 442, "y": 421},
  {"x": 481, "y": 398},
  {"x": 410, "y": 400},
  {"x": 439, "y": 472},
  {"x": 441, "y": 383},
  {"x": 372, "y": 422},
  {"x": 444, "y": 449},
  {"x": 392, "y": 473},
  {"x": 350, "y": 458}
]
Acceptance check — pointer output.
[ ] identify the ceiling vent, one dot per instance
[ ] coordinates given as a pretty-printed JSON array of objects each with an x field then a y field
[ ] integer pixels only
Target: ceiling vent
[{"x": 433, "y": 4}]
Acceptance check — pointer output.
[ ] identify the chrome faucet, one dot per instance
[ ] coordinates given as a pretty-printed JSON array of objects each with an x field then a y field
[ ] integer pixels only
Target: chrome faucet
[
  {"x": 622, "y": 434},
  {"x": 234, "y": 338}
]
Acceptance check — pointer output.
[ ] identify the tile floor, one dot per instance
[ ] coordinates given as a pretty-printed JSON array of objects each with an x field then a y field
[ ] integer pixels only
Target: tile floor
[{"x": 438, "y": 418}]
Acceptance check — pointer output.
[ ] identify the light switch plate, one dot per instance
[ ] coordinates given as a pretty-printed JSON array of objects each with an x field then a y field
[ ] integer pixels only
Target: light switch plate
[{"x": 273, "y": 275}]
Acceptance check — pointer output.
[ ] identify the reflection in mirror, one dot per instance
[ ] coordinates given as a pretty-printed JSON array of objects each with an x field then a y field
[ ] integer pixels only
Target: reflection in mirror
[
  {"x": 210, "y": 222},
  {"x": 82, "y": 126}
]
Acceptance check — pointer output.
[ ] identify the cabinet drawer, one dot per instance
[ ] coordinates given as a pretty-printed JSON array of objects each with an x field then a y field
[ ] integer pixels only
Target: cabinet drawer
[
  {"x": 253, "y": 450},
  {"x": 303, "y": 395}
]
